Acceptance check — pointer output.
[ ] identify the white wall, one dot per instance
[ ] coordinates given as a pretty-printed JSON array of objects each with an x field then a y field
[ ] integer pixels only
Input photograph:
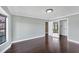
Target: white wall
[
  {"x": 74, "y": 27},
  {"x": 26, "y": 27},
  {"x": 8, "y": 30}
]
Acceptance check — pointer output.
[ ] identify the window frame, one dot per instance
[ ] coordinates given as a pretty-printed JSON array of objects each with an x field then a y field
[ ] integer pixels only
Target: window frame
[{"x": 4, "y": 28}]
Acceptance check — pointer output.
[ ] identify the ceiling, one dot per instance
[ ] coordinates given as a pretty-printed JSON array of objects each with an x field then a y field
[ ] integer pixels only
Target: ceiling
[{"x": 39, "y": 11}]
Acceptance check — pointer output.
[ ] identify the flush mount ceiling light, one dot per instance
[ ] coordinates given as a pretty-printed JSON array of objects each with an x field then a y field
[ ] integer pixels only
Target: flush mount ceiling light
[{"x": 49, "y": 10}]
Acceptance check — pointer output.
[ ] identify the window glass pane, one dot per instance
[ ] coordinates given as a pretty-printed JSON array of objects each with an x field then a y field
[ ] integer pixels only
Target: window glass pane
[
  {"x": 2, "y": 29},
  {"x": 3, "y": 39},
  {"x": 2, "y": 19},
  {"x": 0, "y": 40},
  {"x": 2, "y": 25},
  {"x": 2, "y": 32}
]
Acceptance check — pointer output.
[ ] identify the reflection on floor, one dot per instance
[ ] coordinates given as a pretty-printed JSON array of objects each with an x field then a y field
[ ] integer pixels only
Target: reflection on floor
[
  {"x": 38, "y": 46},
  {"x": 56, "y": 44}
]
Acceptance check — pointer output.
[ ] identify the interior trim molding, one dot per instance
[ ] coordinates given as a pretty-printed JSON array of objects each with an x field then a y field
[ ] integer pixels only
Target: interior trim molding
[
  {"x": 27, "y": 39},
  {"x": 6, "y": 49},
  {"x": 73, "y": 41},
  {"x": 60, "y": 17}
]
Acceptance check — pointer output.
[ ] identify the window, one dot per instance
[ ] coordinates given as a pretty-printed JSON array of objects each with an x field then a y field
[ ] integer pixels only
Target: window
[
  {"x": 2, "y": 28},
  {"x": 55, "y": 27}
]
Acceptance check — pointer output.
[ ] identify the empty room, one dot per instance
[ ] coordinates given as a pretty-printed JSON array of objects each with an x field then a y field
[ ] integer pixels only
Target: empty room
[{"x": 39, "y": 29}]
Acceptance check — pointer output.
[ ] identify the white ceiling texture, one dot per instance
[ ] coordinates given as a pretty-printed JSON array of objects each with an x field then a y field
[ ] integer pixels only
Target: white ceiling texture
[{"x": 40, "y": 11}]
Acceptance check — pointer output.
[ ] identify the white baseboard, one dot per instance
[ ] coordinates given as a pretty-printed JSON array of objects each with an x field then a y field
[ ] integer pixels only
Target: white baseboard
[
  {"x": 73, "y": 41},
  {"x": 27, "y": 39},
  {"x": 6, "y": 49}
]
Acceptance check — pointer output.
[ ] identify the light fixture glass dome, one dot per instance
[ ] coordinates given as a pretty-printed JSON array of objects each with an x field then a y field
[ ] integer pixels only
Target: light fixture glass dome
[{"x": 49, "y": 10}]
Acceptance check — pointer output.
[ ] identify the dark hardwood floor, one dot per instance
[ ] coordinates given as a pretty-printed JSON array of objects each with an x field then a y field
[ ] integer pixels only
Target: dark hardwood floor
[
  {"x": 63, "y": 43},
  {"x": 73, "y": 47},
  {"x": 38, "y": 45},
  {"x": 29, "y": 46}
]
